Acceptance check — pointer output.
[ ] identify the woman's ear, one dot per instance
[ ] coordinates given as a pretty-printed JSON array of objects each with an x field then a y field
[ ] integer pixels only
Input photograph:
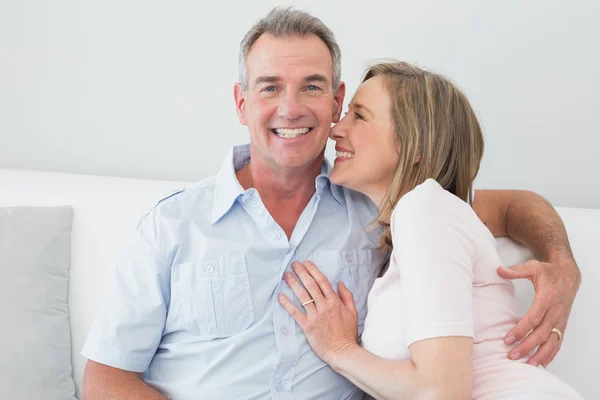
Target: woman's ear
[{"x": 418, "y": 159}]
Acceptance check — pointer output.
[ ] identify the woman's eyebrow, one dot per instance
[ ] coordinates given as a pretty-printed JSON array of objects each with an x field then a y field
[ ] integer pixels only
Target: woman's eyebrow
[{"x": 361, "y": 107}]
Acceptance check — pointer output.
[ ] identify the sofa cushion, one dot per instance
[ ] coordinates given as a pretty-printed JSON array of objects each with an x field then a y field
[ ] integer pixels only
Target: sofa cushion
[
  {"x": 34, "y": 265},
  {"x": 106, "y": 211}
]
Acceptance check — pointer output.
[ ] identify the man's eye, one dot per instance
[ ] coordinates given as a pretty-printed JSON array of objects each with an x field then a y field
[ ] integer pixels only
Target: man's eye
[
  {"x": 312, "y": 87},
  {"x": 269, "y": 89}
]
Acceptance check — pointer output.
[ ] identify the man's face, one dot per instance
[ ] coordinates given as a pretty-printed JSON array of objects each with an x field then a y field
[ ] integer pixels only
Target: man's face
[{"x": 289, "y": 104}]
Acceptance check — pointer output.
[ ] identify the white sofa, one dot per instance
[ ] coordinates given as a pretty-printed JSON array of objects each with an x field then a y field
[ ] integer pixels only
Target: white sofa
[{"x": 107, "y": 209}]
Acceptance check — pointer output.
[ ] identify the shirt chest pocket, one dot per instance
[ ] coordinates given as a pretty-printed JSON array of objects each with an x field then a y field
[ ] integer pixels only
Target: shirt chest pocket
[
  {"x": 356, "y": 268},
  {"x": 213, "y": 298}
]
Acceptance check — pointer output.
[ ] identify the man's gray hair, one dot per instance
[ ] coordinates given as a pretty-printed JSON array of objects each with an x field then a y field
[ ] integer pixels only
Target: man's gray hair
[{"x": 286, "y": 23}]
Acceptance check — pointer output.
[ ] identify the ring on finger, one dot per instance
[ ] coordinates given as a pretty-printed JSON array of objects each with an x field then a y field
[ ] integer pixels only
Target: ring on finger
[
  {"x": 559, "y": 333},
  {"x": 308, "y": 302}
]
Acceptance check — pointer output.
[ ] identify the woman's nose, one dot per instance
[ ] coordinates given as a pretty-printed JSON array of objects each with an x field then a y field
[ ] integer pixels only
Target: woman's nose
[
  {"x": 333, "y": 135},
  {"x": 337, "y": 131}
]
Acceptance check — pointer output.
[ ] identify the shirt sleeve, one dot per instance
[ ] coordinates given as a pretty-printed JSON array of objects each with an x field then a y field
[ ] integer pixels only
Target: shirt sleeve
[
  {"x": 129, "y": 324},
  {"x": 435, "y": 258}
]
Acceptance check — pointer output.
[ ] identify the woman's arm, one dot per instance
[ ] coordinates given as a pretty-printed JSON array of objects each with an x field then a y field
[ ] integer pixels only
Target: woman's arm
[
  {"x": 435, "y": 250},
  {"x": 440, "y": 368}
]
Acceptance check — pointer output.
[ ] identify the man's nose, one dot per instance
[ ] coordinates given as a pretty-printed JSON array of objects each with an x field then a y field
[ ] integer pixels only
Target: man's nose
[{"x": 290, "y": 107}]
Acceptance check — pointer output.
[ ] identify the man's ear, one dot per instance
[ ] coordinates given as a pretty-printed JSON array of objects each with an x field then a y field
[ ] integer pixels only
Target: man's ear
[
  {"x": 240, "y": 103},
  {"x": 338, "y": 102}
]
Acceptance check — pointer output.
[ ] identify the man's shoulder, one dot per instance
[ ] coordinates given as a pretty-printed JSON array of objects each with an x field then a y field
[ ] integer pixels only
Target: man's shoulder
[{"x": 182, "y": 200}]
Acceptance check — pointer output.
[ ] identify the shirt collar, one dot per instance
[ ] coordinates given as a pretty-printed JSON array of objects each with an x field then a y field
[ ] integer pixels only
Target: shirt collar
[
  {"x": 336, "y": 191},
  {"x": 228, "y": 188}
]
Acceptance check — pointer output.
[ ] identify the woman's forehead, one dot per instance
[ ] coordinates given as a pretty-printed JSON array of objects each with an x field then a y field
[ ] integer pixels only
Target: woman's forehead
[{"x": 372, "y": 94}]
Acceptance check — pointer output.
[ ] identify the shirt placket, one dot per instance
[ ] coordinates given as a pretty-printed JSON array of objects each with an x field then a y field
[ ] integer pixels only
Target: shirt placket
[{"x": 286, "y": 334}]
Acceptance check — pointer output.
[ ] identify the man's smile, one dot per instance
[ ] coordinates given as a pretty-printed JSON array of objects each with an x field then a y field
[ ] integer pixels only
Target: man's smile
[{"x": 290, "y": 133}]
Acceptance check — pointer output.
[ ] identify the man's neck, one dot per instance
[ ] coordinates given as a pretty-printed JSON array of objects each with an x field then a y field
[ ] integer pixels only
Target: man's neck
[{"x": 284, "y": 192}]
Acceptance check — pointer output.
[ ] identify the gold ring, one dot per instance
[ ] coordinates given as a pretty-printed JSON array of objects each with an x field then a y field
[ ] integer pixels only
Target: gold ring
[
  {"x": 559, "y": 333},
  {"x": 308, "y": 302}
]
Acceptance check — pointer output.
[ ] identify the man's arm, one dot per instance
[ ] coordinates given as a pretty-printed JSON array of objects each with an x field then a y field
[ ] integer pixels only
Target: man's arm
[
  {"x": 530, "y": 220},
  {"x": 101, "y": 382},
  {"x": 127, "y": 329}
]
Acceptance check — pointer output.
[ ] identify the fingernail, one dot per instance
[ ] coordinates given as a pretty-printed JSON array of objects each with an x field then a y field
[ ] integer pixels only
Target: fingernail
[
  {"x": 295, "y": 264},
  {"x": 514, "y": 356},
  {"x": 509, "y": 340},
  {"x": 535, "y": 364}
]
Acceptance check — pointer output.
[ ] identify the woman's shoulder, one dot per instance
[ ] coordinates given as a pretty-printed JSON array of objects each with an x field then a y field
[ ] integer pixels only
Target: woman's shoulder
[
  {"x": 430, "y": 196},
  {"x": 431, "y": 214},
  {"x": 430, "y": 204}
]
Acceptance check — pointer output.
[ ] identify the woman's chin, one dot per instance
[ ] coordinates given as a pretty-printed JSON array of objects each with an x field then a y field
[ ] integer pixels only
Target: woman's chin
[
  {"x": 342, "y": 180},
  {"x": 335, "y": 178}
]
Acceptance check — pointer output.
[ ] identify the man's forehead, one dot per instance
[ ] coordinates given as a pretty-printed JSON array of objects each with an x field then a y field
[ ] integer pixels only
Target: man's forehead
[
  {"x": 316, "y": 77},
  {"x": 304, "y": 56}
]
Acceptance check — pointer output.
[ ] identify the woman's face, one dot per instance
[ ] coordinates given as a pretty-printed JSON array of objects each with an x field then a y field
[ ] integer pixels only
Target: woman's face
[{"x": 366, "y": 148}]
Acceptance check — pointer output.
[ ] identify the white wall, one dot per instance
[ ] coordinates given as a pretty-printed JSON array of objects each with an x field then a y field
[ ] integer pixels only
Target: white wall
[{"x": 144, "y": 88}]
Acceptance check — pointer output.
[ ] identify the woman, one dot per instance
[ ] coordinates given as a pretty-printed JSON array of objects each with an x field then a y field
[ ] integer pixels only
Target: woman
[{"x": 437, "y": 316}]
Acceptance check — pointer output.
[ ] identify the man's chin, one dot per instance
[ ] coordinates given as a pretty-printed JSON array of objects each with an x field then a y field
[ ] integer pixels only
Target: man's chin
[{"x": 300, "y": 161}]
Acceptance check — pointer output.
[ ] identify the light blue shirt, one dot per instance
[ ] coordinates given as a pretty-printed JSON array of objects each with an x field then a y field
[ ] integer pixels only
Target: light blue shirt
[{"x": 194, "y": 302}]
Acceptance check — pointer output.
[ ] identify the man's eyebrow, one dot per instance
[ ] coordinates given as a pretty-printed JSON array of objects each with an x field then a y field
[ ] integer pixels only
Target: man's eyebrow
[
  {"x": 275, "y": 79},
  {"x": 316, "y": 78},
  {"x": 361, "y": 107},
  {"x": 267, "y": 79}
]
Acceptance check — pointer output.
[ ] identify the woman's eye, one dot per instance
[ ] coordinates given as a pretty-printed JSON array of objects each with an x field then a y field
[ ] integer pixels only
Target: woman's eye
[{"x": 356, "y": 115}]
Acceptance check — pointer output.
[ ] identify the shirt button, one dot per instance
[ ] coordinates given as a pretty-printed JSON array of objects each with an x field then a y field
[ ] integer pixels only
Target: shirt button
[
  {"x": 209, "y": 269},
  {"x": 284, "y": 330},
  {"x": 277, "y": 236},
  {"x": 279, "y": 387},
  {"x": 349, "y": 257}
]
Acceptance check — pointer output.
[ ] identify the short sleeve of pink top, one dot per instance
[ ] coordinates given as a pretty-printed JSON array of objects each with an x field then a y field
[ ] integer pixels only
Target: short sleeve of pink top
[
  {"x": 427, "y": 289},
  {"x": 442, "y": 281}
]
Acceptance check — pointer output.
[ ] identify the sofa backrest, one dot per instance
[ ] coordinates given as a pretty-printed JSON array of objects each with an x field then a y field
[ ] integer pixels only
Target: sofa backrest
[{"x": 106, "y": 210}]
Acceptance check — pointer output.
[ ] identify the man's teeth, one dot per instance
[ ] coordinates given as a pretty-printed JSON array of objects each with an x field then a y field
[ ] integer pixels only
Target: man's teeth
[
  {"x": 291, "y": 133},
  {"x": 344, "y": 154}
]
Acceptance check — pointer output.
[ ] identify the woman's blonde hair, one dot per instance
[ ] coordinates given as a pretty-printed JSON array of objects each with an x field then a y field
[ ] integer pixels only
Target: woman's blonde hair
[{"x": 437, "y": 132}]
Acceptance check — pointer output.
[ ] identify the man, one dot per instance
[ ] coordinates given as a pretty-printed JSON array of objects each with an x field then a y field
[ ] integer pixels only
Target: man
[{"x": 194, "y": 310}]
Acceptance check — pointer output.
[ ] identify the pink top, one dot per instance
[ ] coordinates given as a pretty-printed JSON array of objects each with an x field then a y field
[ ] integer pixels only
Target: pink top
[{"x": 442, "y": 281}]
